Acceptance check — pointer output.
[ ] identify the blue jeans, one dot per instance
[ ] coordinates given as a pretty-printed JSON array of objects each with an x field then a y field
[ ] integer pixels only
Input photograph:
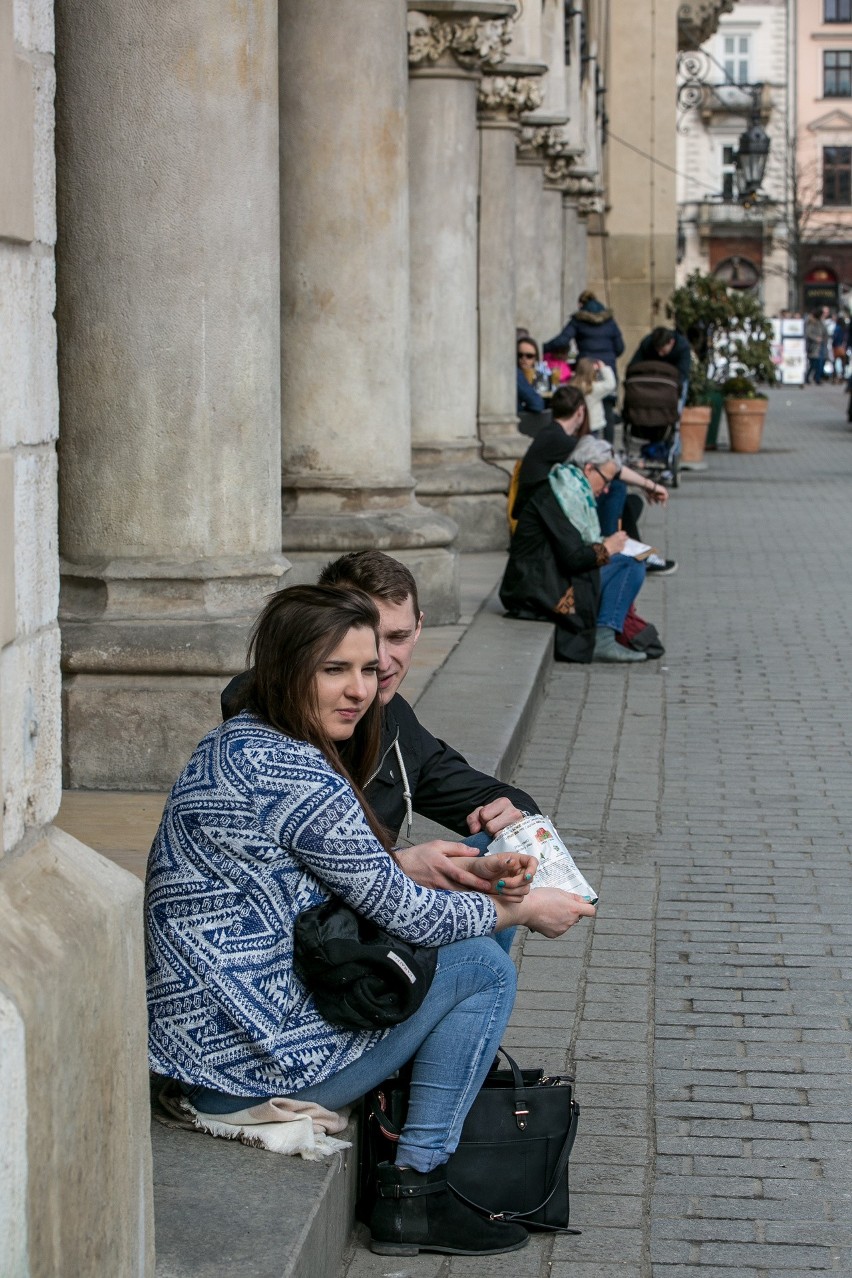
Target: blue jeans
[
  {"x": 453, "y": 1038},
  {"x": 610, "y": 506},
  {"x": 621, "y": 581}
]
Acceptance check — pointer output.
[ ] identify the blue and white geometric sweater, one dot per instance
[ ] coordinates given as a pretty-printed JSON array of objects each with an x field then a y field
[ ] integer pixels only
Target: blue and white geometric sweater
[{"x": 259, "y": 827}]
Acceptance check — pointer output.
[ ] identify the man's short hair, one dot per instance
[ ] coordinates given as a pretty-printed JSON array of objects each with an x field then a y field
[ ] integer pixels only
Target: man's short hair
[
  {"x": 375, "y": 573},
  {"x": 591, "y": 451},
  {"x": 661, "y": 337}
]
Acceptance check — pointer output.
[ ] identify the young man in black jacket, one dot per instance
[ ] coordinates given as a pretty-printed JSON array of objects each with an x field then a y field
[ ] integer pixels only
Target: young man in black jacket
[{"x": 417, "y": 772}]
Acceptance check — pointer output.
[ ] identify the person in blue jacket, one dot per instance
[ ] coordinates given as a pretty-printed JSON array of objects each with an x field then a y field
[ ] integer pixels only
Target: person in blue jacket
[
  {"x": 529, "y": 400},
  {"x": 594, "y": 330}
]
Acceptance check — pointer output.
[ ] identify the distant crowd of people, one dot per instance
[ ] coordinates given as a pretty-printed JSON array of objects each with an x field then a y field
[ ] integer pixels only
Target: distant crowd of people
[{"x": 577, "y": 556}]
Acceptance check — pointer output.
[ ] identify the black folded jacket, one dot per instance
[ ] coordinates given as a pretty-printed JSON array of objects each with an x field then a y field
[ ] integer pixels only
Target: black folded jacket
[{"x": 360, "y": 976}]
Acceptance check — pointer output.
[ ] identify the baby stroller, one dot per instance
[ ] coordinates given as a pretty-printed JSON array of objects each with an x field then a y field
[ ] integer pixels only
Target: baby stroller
[{"x": 650, "y": 414}]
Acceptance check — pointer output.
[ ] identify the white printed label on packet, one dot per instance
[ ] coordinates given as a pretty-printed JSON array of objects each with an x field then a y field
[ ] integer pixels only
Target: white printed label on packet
[{"x": 537, "y": 836}]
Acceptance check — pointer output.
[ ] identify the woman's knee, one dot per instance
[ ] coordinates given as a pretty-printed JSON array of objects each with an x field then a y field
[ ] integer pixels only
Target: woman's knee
[{"x": 482, "y": 963}]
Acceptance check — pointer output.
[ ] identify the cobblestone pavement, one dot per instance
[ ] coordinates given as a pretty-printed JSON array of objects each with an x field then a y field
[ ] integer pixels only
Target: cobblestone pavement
[{"x": 707, "y": 1011}]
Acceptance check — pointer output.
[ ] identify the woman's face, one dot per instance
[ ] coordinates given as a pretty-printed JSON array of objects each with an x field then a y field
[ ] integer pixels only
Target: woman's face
[
  {"x": 346, "y": 683},
  {"x": 526, "y": 355}
]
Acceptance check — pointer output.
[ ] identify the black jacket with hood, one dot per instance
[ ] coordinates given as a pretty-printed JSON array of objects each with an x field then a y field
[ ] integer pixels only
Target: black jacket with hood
[{"x": 416, "y": 771}]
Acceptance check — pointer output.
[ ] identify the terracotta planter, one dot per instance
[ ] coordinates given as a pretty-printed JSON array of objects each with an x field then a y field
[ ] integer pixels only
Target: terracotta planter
[
  {"x": 745, "y": 423},
  {"x": 694, "y": 424}
]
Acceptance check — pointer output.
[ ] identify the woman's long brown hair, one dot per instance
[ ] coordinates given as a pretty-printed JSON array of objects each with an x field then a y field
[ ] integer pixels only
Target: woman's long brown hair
[{"x": 297, "y": 630}]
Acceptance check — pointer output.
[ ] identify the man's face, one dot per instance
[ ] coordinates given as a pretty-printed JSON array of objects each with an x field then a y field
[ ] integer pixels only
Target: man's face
[
  {"x": 667, "y": 348},
  {"x": 399, "y": 630}
]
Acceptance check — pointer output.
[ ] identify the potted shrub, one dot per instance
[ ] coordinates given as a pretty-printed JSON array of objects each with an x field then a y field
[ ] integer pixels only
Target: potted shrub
[
  {"x": 696, "y": 415},
  {"x": 729, "y": 333},
  {"x": 745, "y": 409}
]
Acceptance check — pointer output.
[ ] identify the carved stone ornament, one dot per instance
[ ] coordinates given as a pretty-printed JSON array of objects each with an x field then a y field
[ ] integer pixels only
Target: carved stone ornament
[
  {"x": 473, "y": 42},
  {"x": 547, "y": 142},
  {"x": 697, "y": 20},
  {"x": 512, "y": 95}
]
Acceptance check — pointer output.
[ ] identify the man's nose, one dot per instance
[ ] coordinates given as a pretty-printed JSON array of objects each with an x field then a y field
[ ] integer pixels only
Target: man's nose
[{"x": 384, "y": 658}]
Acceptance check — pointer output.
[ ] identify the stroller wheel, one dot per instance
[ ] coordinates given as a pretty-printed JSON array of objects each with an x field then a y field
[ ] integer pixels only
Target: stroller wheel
[{"x": 676, "y": 472}]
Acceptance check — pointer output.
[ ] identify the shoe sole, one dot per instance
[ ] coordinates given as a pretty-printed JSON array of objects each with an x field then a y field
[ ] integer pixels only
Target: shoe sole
[
  {"x": 661, "y": 572},
  {"x": 412, "y": 1249}
]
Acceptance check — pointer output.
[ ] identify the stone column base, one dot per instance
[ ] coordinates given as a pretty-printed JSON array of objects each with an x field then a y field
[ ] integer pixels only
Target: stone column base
[
  {"x": 501, "y": 439},
  {"x": 454, "y": 480},
  {"x": 147, "y": 646},
  {"x": 317, "y": 527}
]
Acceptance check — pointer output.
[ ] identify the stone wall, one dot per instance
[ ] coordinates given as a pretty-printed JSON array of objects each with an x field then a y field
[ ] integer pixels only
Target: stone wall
[{"x": 75, "y": 1172}]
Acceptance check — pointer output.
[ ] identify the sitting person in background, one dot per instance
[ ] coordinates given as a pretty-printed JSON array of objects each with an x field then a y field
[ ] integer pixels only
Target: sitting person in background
[
  {"x": 555, "y": 444},
  {"x": 563, "y": 569},
  {"x": 269, "y": 819},
  {"x": 596, "y": 380},
  {"x": 560, "y": 369},
  {"x": 529, "y": 400}
]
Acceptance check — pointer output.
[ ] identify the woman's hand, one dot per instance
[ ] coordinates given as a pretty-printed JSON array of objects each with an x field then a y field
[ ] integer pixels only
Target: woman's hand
[
  {"x": 551, "y": 911},
  {"x": 507, "y": 874},
  {"x": 441, "y": 864},
  {"x": 616, "y": 542},
  {"x": 657, "y": 494}
]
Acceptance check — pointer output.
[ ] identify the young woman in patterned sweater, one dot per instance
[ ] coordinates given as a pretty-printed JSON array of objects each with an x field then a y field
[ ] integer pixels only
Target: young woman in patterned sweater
[{"x": 268, "y": 819}]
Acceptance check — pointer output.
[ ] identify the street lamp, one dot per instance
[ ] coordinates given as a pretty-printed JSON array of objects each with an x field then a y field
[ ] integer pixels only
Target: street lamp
[{"x": 751, "y": 159}]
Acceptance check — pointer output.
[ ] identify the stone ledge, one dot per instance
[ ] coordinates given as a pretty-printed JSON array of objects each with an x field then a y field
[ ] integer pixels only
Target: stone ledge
[{"x": 220, "y": 1207}]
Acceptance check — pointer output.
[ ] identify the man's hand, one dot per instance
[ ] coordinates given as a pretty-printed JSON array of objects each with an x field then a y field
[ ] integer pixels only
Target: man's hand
[
  {"x": 441, "y": 864},
  {"x": 493, "y": 817},
  {"x": 507, "y": 874}
]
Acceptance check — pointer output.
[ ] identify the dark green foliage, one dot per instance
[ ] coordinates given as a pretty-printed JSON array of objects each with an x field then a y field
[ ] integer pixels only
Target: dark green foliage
[{"x": 728, "y": 330}]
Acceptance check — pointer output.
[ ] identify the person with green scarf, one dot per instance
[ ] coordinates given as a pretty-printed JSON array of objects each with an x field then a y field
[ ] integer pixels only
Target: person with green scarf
[{"x": 562, "y": 569}]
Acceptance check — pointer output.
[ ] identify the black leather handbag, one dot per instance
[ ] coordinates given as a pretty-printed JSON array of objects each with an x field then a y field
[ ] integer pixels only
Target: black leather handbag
[{"x": 512, "y": 1159}]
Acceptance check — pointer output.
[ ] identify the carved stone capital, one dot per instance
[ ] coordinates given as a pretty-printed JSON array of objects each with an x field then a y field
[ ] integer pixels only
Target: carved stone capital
[
  {"x": 510, "y": 95},
  {"x": 475, "y": 43},
  {"x": 547, "y": 143},
  {"x": 697, "y": 20}
]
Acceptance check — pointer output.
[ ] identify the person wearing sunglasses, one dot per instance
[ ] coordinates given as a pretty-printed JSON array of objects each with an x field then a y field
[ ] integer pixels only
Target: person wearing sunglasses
[
  {"x": 562, "y": 568},
  {"x": 529, "y": 400}
]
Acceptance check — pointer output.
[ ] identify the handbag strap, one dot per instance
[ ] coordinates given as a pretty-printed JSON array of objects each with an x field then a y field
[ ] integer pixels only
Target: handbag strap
[
  {"x": 558, "y": 1173},
  {"x": 521, "y": 1104}
]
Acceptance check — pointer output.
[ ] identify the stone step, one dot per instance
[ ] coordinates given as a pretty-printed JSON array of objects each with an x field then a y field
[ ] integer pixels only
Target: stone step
[{"x": 221, "y": 1208}]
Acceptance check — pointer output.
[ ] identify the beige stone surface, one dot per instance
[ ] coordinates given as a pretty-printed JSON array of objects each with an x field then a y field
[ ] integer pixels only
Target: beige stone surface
[
  {"x": 7, "y": 549},
  {"x": 17, "y": 110},
  {"x": 71, "y": 955},
  {"x": 28, "y": 377},
  {"x": 13, "y": 1125},
  {"x": 36, "y": 539},
  {"x": 30, "y": 733}
]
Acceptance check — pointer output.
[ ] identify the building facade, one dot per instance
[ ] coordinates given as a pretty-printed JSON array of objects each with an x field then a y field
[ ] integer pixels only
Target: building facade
[
  {"x": 822, "y": 36},
  {"x": 740, "y": 73}
]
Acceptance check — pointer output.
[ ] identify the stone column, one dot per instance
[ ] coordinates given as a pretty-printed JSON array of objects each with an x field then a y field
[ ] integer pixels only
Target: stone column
[
  {"x": 544, "y": 160},
  {"x": 503, "y": 98},
  {"x": 345, "y": 298},
  {"x": 167, "y": 128},
  {"x": 446, "y": 51}
]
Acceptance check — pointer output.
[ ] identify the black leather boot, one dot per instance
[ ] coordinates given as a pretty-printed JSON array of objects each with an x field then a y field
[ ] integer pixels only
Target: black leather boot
[{"x": 417, "y": 1211}]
